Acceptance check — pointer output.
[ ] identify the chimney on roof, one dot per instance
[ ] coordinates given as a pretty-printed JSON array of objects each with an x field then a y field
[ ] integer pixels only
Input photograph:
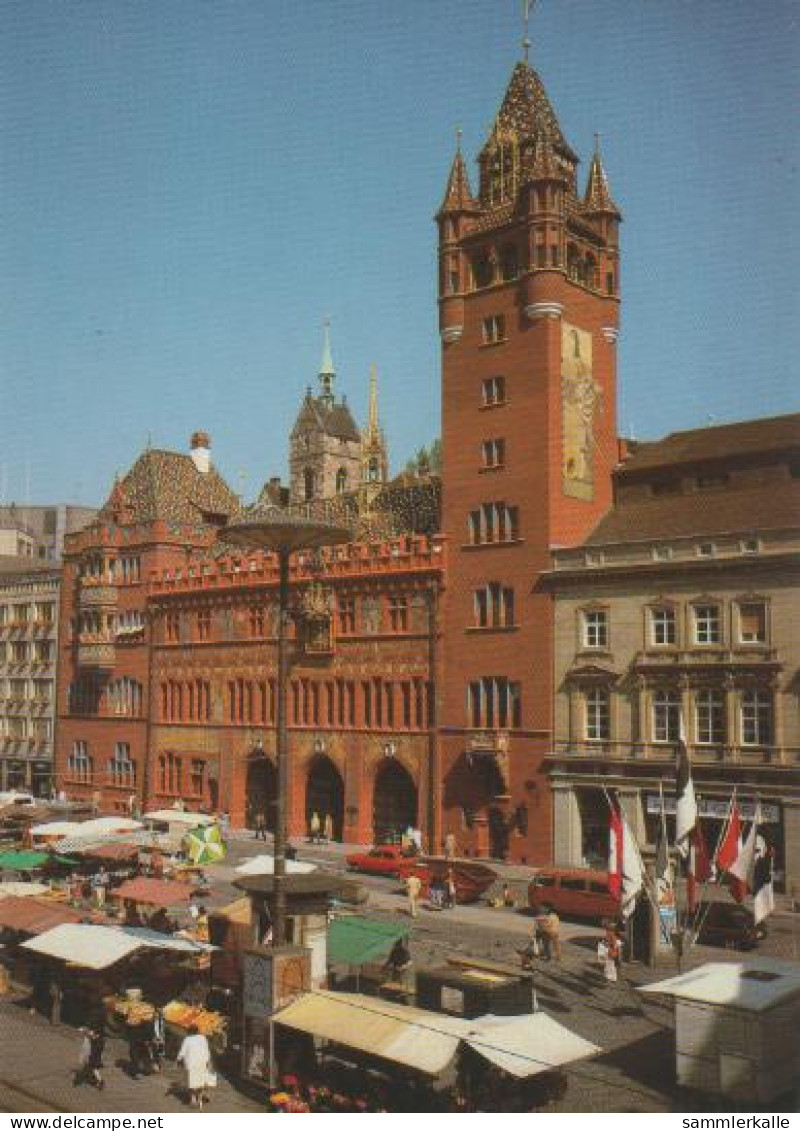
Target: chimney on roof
[{"x": 201, "y": 451}]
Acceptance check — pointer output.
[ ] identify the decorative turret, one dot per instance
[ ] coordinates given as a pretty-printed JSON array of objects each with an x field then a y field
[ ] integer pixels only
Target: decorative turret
[
  {"x": 458, "y": 194},
  {"x": 597, "y": 199},
  {"x": 374, "y": 456}
]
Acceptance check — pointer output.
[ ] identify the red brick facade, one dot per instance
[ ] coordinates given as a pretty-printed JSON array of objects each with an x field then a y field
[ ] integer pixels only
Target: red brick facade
[
  {"x": 522, "y": 267},
  {"x": 529, "y": 298},
  {"x": 359, "y": 696}
]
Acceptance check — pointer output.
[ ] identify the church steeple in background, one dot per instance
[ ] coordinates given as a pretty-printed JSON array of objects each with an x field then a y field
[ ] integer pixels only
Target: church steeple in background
[{"x": 374, "y": 455}]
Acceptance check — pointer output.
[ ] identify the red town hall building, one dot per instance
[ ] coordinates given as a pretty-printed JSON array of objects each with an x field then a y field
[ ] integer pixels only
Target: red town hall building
[{"x": 421, "y": 683}]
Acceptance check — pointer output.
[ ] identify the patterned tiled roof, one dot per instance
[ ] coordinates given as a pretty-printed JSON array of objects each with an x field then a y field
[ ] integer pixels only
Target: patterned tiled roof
[
  {"x": 527, "y": 111},
  {"x": 458, "y": 194},
  {"x": 329, "y": 416},
  {"x": 167, "y": 486},
  {"x": 598, "y": 196}
]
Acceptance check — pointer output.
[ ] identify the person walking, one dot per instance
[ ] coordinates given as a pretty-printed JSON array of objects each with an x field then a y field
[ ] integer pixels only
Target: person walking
[
  {"x": 195, "y": 1056},
  {"x": 612, "y": 960},
  {"x": 552, "y": 930},
  {"x": 413, "y": 888},
  {"x": 314, "y": 827},
  {"x": 450, "y": 846},
  {"x": 450, "y": 889},
  {"x": 328, "y": 827},
  {"x": 90, "y": 1067}
]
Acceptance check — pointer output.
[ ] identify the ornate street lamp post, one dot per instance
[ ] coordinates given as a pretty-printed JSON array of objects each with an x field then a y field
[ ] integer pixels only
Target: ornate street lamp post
[{"x": 284, "y": 532}]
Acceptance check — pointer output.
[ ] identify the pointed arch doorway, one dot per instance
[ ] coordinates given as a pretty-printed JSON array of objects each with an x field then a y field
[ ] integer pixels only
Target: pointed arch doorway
[
  {"x": 395, "y": 802},
  {"x": 325, "y": 794},
  {"x": 262, "y": 790}
]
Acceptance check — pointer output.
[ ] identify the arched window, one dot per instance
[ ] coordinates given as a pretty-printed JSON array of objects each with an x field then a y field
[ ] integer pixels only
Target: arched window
[
  {"x": 308, "y": 484},
  {"x": 341, "y": 481}
]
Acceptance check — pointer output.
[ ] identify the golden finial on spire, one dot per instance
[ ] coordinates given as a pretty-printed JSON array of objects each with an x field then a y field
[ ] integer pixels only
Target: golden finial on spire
[{"x": 527, "y": 6}]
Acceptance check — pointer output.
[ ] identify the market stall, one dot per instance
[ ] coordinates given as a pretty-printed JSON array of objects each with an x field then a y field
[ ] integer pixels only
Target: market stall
[
  {"x": 97, "y": 966},
  {"x": 410, "y": 1045},
  {"x": 147, "y": 901}
]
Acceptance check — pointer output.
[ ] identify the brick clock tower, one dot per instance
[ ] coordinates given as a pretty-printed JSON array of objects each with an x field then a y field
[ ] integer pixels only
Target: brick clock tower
[{"x": 529, "y": 309}]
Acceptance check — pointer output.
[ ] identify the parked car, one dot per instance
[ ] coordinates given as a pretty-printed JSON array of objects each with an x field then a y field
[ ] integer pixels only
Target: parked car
[
  {"x": 581, "y": 893},
  {"x": 729, "y": 925},
  {"x": 382, "y": 860},
  {"x": 472, "y": 878}
]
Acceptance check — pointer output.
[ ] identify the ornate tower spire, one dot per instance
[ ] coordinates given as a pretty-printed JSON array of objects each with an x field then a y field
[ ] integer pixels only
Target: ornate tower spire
[
  {"x": 327, "y": 374},
  {"x": 458, "y": 194},
  {"x": 598, "y": 197},
  {"x": 374, "y": 456}
]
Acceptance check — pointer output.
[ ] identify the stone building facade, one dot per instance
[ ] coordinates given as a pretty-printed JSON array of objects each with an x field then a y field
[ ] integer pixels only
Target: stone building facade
[
  {"x": 529, "y": 307},
  {"x": 29, "y": 597},
  {"x": 328, "y": 455},
  {"x": 681, "y": 611}
]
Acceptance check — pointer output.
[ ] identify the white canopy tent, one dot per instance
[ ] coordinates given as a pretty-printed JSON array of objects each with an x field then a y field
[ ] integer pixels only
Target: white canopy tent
[
  {"x": 521, "y": 1045},
  {"x": 264, "y": 865},
  {"x": 97, "y": 947}
]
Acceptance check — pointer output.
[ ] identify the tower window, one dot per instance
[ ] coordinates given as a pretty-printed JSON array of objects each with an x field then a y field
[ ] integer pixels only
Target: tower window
[
  {"x": 482, "y": 271},
  {"x": 373, "y": 470},
  {"x": 494, "y": 329},
  {"x": 493, "y": 453},
  {"x": 509, "y": 262},
  {"x": 341, "y": 481},
  {"x": 308, "y": 484},
  {"x": 494, "y": 606},
  {"x": 541, "y": 256},
  {"x": 610, "y": 283},
  {"x": 494, "y": 390}
]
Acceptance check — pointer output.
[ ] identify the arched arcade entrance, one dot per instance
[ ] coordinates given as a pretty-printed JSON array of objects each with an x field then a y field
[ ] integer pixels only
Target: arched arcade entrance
[
  {"x": 325, "y": 794},
  {"x": 395, "y": 803},
  {"x": 262, "y": 791}
]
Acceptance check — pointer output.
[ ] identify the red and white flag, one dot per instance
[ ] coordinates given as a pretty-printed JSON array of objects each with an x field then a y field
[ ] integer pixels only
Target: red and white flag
[
  {"x": 698, "y": 866},
  {"x": 728, "y": 853},
  {"x": 744, "y": 865}
]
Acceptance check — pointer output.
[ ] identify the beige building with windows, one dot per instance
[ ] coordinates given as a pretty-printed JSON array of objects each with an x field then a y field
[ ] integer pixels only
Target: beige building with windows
[
  {"x": 681, "y": 611},
  {"x": 28, "y": 632}
]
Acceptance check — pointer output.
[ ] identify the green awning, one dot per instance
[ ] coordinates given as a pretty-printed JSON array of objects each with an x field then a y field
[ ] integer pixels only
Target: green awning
[
  {"x": 28, "y": 861},
  {"x": 353, "y": 940}
]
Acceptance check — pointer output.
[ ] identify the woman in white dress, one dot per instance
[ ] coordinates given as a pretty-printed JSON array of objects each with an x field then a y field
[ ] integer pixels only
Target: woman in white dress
[{"x": 195, "y": 1056}]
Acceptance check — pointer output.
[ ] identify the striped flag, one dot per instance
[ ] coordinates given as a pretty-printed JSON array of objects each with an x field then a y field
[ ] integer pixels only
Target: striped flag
[
  {"x": 744, "y": 865},
  {"x": 626, "y": 874},
  {"x": 698, "y": 866},
  {"x": 728, "y": 853},
  {"x": 685, "y": 800}
]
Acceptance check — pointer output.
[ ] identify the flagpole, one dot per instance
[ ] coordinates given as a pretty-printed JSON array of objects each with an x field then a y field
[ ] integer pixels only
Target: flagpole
[{"x": 725, "y": 826}]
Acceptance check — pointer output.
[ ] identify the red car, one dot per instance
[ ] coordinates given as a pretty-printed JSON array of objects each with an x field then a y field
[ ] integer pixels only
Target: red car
[{"x": 382, "y": 860}]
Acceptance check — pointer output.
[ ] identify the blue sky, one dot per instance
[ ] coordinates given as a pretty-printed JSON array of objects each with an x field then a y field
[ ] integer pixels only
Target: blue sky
[{"x": 190, "y": 187}]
